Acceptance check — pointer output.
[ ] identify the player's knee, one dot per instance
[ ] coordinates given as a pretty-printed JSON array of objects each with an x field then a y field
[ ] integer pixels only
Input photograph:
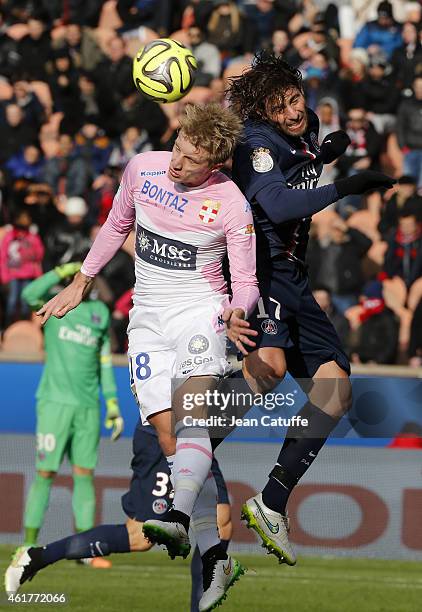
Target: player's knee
[
  {"x": 137, "y": 540},
  {"x": 80, "y": 471},
  {"x": 266, "y": 368},
  {"x": 46, "y": 474}
]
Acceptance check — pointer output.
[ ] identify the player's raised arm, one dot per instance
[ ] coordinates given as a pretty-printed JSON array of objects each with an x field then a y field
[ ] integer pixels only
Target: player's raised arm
[
  {"x": 263, "y": 180},
  {"x": 241, "y": 250},
  {"x": 108, "y": 241}
]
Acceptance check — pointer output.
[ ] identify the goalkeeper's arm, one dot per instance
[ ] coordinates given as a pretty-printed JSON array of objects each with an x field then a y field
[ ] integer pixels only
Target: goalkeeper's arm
[{"x": 37, "y": 292}]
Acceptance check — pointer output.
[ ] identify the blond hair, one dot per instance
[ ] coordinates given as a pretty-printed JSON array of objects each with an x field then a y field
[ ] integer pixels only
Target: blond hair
[{"x": 213, "y": 128}]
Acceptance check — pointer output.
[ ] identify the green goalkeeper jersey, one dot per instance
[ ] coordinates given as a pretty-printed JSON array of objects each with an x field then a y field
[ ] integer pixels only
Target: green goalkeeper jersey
[{"x": 77, "y": 349}]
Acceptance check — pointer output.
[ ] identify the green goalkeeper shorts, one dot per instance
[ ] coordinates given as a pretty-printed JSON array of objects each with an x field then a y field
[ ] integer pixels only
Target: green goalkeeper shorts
[{"x": 61, "y": 429}]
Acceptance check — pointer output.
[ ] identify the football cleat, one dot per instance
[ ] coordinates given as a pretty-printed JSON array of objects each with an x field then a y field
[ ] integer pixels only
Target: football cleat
[
  {"x": 171, "y": 534},
  {"x": 19, "y": 571},
  {"x": 218, "y": 576},
  {"x": 272, "y": 527}
]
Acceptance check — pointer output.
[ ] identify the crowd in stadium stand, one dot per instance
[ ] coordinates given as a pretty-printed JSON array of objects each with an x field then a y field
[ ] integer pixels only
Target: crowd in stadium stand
[{"x": 70, "y": 119}]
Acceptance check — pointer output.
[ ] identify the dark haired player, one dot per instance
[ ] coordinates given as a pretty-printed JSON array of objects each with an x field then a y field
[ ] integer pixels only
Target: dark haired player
[{"x": 277, "y": 167}]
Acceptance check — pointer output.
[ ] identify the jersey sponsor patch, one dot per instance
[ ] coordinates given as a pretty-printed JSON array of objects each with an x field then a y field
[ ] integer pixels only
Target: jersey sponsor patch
[
  {"x": 164, "y": 252},
  {"x": 198, "y": 344},
  {"x": 247, "y": 230},
  {"x": 209, "y": 211},
  {"x": 269, "y": 327},
  {"x": 262, "y": 160}
]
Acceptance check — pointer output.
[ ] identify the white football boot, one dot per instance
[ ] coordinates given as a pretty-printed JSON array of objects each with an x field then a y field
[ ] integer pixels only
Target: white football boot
[
  {"x": 19, "y": 571},
  {"x": 272, "y": 527},
  {"x": 171, "y": 534},
  {"x": 218, "y": 576}
]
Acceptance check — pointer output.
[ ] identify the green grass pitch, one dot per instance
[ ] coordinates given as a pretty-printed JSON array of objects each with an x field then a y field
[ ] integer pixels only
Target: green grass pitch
[{"x": 150, "y": 582}]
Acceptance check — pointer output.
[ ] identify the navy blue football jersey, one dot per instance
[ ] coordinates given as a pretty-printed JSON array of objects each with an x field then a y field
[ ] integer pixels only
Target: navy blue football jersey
[{"x": 267, "y": 156}]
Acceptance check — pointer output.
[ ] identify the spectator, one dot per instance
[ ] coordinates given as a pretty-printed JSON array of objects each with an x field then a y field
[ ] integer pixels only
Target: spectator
[
  {"x": 9, "y": 53},
  {"x": 139, "y": 111},
  {"x": 94, "y": 148},
  {"x": 39, "y": 200},
  {"x": 323, "y": 296},
  {"x": 407, "y": 58},
  {"x": 70, "y": 238},
  {"x": 116, "y": 68},
  {"x": 351, "y": 80},
  {"x": 35, "y": 50},
  {"x": 335, "y": 262},
  {"x": 365, "y": 145},
  {"x": 66, "y": 172},
  {"x": 404, "y": 253},
  {"x": 229, "y": 30},
  {"x": 80, "y": 44},
  {"x": 207, "y": 56},
  {"x": 28, "y": 102},
  {"x": 384, "y": 34},
  {"x": 133, "y": 141},
  {"x": 381, "y": 94},
  {"x": 317, "y": 79},
  {"x": 267, "y": 15},
  {"x": 405, "y": 189},
  {"x": 378, "y": 330},
  {"x": 21, "y": 253},
  {"x": 65, "y": 91},
  {"x": 415, "y": 345},
  {"x": 409, "y": 132},
  {"x": 27, "y": 164},
  {"x": 90, "y": 108},
  {"x": 14, "y": 132}
]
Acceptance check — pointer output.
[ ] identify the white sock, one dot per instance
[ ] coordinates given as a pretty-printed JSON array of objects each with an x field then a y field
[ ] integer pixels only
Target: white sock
[
  {"x": 192, "y": 464},
  {"x": 170, "y": 463},
  {"x": 204, "y": 516}
]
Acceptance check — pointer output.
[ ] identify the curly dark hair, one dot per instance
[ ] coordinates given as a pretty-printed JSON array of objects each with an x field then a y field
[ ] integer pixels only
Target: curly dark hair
[{"x": 261, "y": 89}]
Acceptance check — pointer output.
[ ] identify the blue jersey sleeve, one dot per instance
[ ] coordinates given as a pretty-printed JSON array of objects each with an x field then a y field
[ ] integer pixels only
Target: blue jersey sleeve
[{"x": 257, "y": 172}]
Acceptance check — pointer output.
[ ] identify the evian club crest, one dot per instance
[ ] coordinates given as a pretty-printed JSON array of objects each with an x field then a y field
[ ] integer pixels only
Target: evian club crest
[{"x": 209, "y": 211}]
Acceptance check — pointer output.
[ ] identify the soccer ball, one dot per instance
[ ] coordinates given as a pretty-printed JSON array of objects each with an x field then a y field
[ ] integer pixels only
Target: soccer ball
[{"x": 164, "y": 70}]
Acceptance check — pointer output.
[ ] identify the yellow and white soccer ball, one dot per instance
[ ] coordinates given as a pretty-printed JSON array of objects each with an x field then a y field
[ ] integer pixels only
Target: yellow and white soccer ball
[{"x": 164, "y": 70}]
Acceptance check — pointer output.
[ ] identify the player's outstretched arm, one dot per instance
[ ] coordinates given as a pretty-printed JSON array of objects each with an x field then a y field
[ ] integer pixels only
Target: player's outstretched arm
[{"x": 67, "y": 299}]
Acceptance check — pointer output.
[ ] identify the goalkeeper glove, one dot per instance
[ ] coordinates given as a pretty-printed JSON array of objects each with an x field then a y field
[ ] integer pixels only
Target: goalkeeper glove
[
  {"x": 333, "y": 146},
  {"x": 68, "y": 269},
  {"x": 368, "y": 180},
  {"x": 113, "y": 419}
]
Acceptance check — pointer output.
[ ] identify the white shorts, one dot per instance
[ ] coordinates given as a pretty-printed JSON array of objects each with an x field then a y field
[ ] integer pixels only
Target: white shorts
[{"x": 172, "y": 343}]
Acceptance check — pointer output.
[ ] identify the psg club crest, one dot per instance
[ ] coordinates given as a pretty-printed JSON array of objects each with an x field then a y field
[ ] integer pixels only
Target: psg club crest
[
  {"x": 269, "y": 327},
  {"x": 209, "y": 211},
  {"x": 159, "y": 506}
]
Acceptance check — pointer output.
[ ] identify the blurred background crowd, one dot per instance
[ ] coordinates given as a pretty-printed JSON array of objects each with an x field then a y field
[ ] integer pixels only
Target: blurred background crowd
[{"x": 70, "y": 119}]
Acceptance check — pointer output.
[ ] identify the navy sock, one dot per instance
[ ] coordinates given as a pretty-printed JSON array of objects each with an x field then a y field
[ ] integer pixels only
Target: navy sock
[
  {"x": 298, "y": 452},
  {"x": 97, "y": 542}
]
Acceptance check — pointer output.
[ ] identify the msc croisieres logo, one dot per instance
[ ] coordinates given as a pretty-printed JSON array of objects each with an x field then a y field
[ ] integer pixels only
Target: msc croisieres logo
[{"x": 164, "y": 252}]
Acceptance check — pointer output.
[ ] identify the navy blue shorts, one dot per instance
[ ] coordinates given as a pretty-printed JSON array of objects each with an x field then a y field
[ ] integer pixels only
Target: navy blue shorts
[
  {"x": 149, "y": 492},
  {"x": 288, "y": 317}
]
